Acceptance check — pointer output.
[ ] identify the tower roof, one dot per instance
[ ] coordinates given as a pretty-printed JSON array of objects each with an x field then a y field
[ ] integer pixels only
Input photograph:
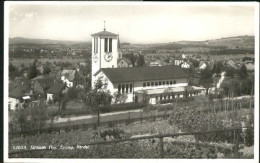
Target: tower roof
[{"x": 104, "y": 33}]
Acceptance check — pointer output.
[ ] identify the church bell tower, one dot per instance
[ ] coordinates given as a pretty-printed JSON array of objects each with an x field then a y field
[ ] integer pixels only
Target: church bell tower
[{"x": 104, "y": 51}]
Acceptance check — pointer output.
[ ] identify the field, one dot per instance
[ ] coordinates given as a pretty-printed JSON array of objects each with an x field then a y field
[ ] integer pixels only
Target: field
[{"x": 27, "y": 61}]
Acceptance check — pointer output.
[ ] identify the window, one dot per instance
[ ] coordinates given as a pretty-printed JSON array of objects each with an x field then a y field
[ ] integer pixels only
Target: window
[
  {"x": 95, "y": 45},
  {"x": 163, "y": 83},
  {"x": 119, "y": 88},
  {"x": 170, "y": 82},
  {"x": 148, "y": 84},
  {"x": 110, "y": 44},
  {"x": 106, "y": 42},
  {"x": 131, "y": 87},
  {"x": 144, "y": 84},
  {"x": 123, "y": 88},
  {"x": 156, "y": 84},
  {"x": 126, "y": 88},
  {"x": 160, "y": 83},
  {"x": 167, "y": 82},
  {"x": 174, "y": 82},
  {"x": 152, "y": 84}
]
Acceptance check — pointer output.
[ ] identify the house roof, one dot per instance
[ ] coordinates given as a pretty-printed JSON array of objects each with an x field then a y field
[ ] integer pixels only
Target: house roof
[
  {"x": 125, "y": 59},
  {"x": 133, "y": 74},
  {"x": 47, "y": 82},
  {"x": 22, "y": 81},
  {"x": 69, "y": 74},
  {"x": 56, "y": 88},
  {"x": 104, "y": 33},
  {"x": 19, "y": 91}
]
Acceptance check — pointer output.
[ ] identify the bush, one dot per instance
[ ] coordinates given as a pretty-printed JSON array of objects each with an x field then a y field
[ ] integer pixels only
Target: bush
[
  {"x": 75, "y": 112},
  {"x": 190, "y": 120},
  {"x": 112, "y": 133}
]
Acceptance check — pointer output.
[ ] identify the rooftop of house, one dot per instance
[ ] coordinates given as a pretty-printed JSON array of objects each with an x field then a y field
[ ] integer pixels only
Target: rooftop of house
[
  {"x": 146, "y": 73},
  {"x": 125, "y": 59},
  {"x": 69, "y": 74},
  {"x": 21, "y": 81},
  {"x": 46, "y": 82},
  {"x": 56, "y": 88},
  {"x": 19, "y": 91}
]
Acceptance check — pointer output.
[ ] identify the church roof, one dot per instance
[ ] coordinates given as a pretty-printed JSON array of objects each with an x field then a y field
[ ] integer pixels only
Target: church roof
[
  {"x": 134, "y": 74},
  {"x": 104, "y": 33}
]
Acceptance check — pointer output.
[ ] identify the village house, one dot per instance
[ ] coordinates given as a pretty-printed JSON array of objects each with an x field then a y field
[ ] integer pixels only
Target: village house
[
  {"x": 250, "y": 66},
  {"x": 155, "y": 64},
  {"x": 180, "y": 59},
  {"x": 19, "y": 95},
  {"x": 186, "y": 64},
  {"x": 203, "y": 65},
  {"x": 54, "y": 92},
  {"x": 124, "y": 62},
  {"x": 41, "y": 85},
  {"x": 232, "y": 64},
  {"x": 68, "y": 77}
]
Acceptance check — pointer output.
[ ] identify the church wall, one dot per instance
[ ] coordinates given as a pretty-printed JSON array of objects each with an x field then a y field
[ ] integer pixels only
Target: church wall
[{"x": 139, "y": 86}]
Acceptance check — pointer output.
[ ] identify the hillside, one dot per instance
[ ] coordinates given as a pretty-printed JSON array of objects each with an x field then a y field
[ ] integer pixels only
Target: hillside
[
  {"x": 228, "y": 45},
  {"x": 21, "y": 40}
]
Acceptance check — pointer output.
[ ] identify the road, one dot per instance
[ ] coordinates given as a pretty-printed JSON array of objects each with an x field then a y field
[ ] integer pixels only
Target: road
[{"x": 107, "y": 117}]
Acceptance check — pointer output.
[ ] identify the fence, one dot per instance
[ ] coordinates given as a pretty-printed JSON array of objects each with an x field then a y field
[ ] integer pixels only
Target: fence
[
  {"x": 71, "y": 126},
  {"x": 234, "y": 149},
  {"x": 161, "y": 115}
]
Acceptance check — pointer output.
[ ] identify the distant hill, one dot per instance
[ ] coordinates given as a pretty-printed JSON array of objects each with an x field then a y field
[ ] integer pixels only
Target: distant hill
[
  {"x": 243, "y": 42},
  {"x": 237, "y": 42},
  {"x": 21, "y": 40},
  {"x": 246, "y": 42}
]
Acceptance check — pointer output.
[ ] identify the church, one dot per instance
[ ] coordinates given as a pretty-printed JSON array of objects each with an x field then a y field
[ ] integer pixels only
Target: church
[{"x": 159, "y": 83}]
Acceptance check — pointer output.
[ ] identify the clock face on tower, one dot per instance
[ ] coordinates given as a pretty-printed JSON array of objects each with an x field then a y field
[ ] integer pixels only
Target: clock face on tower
[{"x": 108, "y": 57}]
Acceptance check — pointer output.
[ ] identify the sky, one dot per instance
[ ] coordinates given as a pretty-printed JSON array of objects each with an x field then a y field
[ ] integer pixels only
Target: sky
[{"x": 165, "y": 22}]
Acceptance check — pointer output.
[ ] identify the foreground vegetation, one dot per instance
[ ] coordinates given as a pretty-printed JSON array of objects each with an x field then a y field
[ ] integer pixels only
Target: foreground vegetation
[{"x": 182, "y": 120}]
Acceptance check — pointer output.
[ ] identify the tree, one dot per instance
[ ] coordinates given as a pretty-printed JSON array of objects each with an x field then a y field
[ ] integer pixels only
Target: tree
[
  {"x": 119, "y": 97},
  {"x": 230, "y": 71},
  {"x": 72, "y": 93},
  {"x": 243, "y": 72},
  {"x": 33, "y": 117},
  {"x": 247, "y": 86},
  {"x": 217, "y": 67},
  {"x": 131, "y": 57},
  {"x": 97, "y": 98},
  {"x": 46, "y": 69},
  {"x": 13, "y": 72},
  {"x": 140, "y": 60},
  {"x": 32, "y": 71},
  {"x": 195, "y": 63},
  {"x": 206, "y": 78}
]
